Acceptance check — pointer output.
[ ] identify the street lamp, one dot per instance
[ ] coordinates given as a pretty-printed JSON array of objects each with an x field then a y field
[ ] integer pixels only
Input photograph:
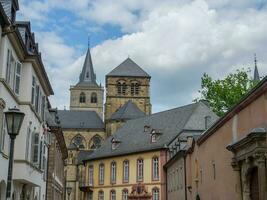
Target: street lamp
[
  {"x": 69, "y": 189},
  {"x": 14, "y": 119}
]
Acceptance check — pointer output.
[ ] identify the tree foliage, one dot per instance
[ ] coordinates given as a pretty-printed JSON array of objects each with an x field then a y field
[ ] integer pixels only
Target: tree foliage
[{"x": 223, "y": 94}]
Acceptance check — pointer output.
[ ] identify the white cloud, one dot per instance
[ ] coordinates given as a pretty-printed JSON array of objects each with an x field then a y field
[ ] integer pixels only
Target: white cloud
[{"x": 175, "y": 44}]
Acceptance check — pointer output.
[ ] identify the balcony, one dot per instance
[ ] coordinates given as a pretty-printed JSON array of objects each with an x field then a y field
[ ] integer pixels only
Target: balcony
[{"x": 85, "y": 186}]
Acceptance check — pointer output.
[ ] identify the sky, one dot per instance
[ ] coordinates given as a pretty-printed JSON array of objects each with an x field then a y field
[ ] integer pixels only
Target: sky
[{"x": 175, "y": 41}]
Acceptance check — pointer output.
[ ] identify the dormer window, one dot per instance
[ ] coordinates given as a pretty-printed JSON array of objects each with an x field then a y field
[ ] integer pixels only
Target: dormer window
[
  {"x": 115, "y": 143},
  {"x": 146, "y": 128},
  {"x": 155, "y": 134}
]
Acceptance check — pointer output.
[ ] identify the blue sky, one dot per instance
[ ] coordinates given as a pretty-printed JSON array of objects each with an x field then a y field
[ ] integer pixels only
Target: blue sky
[{"x": 174, "y": 41}]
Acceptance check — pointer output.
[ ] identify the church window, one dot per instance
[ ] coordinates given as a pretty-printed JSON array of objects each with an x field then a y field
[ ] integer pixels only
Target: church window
[
  {"x": 78, "y": 141},
  {"x": 82, "y": 98},
  {"x": 112, "y": 195},
  {"x": 113, "y": 172},
  {"x": 125, "y": 194},
  {"x": 91, "y": 175},
  {"x": 155, "y": 194},
  {"x": 140, "y": 169},
  {"x": 95, "y": 142},
  {"x": 155, "y": 168},
  {"x": 93, "y": 98},
  {"x": 126, "y": 171},
  {"x": 135, "y": 88},
  {"x": 121, "y": 87},
  {"x": 101, "y": 173}
]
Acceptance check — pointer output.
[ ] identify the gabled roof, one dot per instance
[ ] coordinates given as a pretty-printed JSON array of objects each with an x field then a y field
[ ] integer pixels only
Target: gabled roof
[
  {"x": 134, "y": 139},
  {"x": 87, "y": 76},
  {"x": 128, "y": 111},
  {"x": 80, "y": 119},
  {"x": 128, "y": 68}
]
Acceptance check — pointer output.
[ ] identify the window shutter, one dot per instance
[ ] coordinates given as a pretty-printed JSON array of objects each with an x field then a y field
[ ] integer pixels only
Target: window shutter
[
  {"x": 17, "y": 78},
  {"x": 35, "y": 148}
]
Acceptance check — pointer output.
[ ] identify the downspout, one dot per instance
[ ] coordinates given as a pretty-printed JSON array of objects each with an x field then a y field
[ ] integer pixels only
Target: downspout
[{"x": 185, "y": 176}]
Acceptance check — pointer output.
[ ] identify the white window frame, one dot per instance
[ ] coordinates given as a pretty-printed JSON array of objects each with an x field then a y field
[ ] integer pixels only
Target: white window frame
[
  {"x": 101, "y": 173},
  {"x": 17, "y": 78},
  {"x": 125, "y": 194},
  {"x": 155, "y": 168},
  {"x": 35, "y": 148},
  {"x": 33, "y": 90},
  {"x": 155, "y": 194},
  {"x": 91, "y": 175},
  {"x": 140, "y": 170},
  {"x": 126, "y": 171},
  {"x": 113, "y": 172}
]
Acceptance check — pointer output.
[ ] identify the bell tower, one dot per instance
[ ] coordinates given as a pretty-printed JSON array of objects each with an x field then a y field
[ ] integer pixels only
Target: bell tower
[{"x": 87, "y": 94}]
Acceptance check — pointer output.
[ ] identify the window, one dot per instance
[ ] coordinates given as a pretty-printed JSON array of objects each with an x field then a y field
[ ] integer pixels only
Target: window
[
  {"x": 95, "y": 142},
  {"x": 126, "y": 171},
  {"x": 43, "y": 107},
  {"x": 8, "y": 67},
  {"x": 155, "y": 168},
  {"x": 35, "y": 148},
  {"x": 78, "y": 141},
  {"x": 93, "y": 98},
  {"x": 140, "y": 169},
  {"x": 100, "y": 195},
  {"x": 134, "y": 88},
  {"x": 82, "y": 98},
  {"x": 91, "y": 175},
  {"x": 17, "y": 78},
  {"x": 153, "y": 138},
  {"x": 112, "y": 195},
  {"x": 101, "y": 173},
  {"x": 3, "y": 135},
  {"x": 113, "y": 172},
  {"x": 125, "y": 194},
  {"x": 37, "y": 93},
  {"x": 121, "y": 87},
  {"x": 155, "y": 194},
  {"x": 33, "y": 89}
]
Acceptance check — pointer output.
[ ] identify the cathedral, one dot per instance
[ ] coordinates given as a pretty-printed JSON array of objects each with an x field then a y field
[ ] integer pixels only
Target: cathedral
[{"x": 118, "y": 150}]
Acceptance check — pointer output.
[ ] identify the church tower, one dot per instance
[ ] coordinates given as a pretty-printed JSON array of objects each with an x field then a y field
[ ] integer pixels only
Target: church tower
[
  {"x": 87, "y": 94},
  {"x": 127, "y": 95}
]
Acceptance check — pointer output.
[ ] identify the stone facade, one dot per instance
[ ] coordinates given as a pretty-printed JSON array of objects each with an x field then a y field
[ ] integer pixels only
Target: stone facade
[
  {"x": 115, "y": 100},
  {"x": 88, "y": 91}
]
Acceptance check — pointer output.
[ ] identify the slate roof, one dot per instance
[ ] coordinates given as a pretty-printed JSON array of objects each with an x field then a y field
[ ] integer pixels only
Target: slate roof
[
  {"x": 128, "y": 111},
  {"x": 80, "y": 119},
  {"x": 128, "y": 68},
  {"x": 82, "y": 154},
  {"x": 170, "y": 123},
  {"x": 87, "y": 76}
]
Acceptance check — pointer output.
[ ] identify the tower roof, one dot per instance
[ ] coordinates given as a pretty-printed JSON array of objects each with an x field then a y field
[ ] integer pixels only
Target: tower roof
[
  {"x": 128, "y": 68},
  {"x": 128, "y": 111},
  {"x": 87, "y": 76},
  {"x": 256, "y": 72}
]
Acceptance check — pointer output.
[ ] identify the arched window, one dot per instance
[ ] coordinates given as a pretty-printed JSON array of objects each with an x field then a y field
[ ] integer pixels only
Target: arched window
[
  {"x": 78, "y": 141},
  {"x": 113, "y": 172},
  {"x": 101, "y": 195},
  {"x": 112, "y": 195},
  {"x": 101, "y": 173},
  {"x": 155, "y": 168},
  {"x": 135, "y": 86},
  {"x": 82, "y": 98},
  {"x": 126, "y": 171},
  {"x": 93, "y": 98},
  {"x": 140, "y": 169},
  {"x": 125, "y": 194},
  {"x": 155, "y": 194},
  {"x": 121, "y": 87},
  {"x": 95, "y": 142}
]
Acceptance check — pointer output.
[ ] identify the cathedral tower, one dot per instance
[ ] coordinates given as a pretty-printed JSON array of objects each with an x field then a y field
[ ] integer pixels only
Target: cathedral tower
[
  {"x": 87, "y": 94},
  {"x": 127, "y": 95}
]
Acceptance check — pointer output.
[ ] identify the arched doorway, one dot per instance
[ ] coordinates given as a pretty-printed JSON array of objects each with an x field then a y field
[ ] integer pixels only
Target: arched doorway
[
  {"x": 254, "y": 184},
  {"x": 2, "y": 190}
]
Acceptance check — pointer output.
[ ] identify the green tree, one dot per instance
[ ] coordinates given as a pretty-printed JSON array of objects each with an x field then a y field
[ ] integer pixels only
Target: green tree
[{"x": 223, "y": 94}]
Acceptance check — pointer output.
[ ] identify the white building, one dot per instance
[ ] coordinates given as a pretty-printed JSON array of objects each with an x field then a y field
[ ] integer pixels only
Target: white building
[{"x": 24, "y": 84}]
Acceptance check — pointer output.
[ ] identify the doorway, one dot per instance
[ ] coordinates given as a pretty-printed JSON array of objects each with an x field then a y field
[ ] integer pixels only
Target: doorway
[{"x": 254, "y": 184}]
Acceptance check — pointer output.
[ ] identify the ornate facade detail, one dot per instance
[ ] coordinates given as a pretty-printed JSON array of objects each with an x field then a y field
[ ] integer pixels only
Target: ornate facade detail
[{"x": 139, "y": 192}]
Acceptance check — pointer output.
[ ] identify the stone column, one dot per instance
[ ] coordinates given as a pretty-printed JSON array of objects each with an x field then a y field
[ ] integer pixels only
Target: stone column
[
  {"x": 262, "y": 177},
  {"x": 245, "y": 180},
  {"x": 237, "y": 171}
]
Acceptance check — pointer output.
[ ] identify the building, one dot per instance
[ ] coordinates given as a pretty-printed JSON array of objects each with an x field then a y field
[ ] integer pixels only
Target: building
[
  {"x": 23, "y": 84},
  {"x": 127, "y": 82},
  {"x": 229, "y": 157},
  {"x": 57, "y": 154},
  {"x": 82, "y": 125}
]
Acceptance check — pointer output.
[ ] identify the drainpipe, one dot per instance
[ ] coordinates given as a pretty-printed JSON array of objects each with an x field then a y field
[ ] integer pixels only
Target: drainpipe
[{"x": 185, "y": 177}]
